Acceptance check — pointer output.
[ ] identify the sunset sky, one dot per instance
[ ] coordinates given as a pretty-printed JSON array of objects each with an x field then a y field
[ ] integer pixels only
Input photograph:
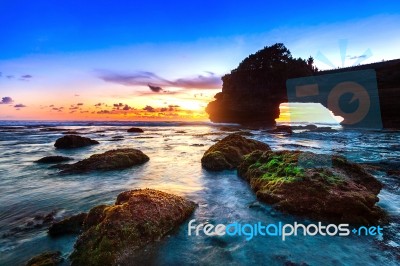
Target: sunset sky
[{"x": 61, "y": 60}]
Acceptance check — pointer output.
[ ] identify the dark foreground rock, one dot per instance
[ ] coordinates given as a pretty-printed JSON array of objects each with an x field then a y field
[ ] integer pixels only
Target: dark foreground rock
[
  {"x": 110, "y": 160},
  {"x": 73, "y": 141},
  {"x": 54, "y": 159},
  {"x": 228, "y": 152},
  {"x": 316, "y": 186},
  {"x": 137, "y": 218},
  {"x": 135, "y": 130},
  {"x": 70, "y": 225},
  {"x": 49, "y": 258}
]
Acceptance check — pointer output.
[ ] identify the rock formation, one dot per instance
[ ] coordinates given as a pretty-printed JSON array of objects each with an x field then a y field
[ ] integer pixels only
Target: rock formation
[
  {"x": 251, "y": 93},
  {"x": 227, "y": 153},
  {"x": 73, "y": 141},
  {"x": 53, "y": 159},
  {"x": 137, "y": 218},
  {"x": 70, "y": 225},
  {"x": 110, "y": 160},
  {"x": 314, "y": 185}
]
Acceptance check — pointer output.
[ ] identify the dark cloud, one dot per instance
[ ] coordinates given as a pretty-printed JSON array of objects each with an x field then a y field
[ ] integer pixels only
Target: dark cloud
[
  {"x": 51, "y": 105},
  {"x": 26, "y": 76},
  {"x": 127, "y": 108},
  {"x": 164, "y": 109},
  {"x": 6, "y": 100},
  {"x": 143, "y": 78},
  {"x": 76, "y": 95},
  {"x": 148, "y": 108},
  {"x": 19, "y": 105},
  {"x": 10, "y": 76},
  {"x": 74, "y": 108},
  {"x": 98, "y": 104},
  {"x": 80, "y": 104},
  {"x": 154, "y": 88},
  {"x": 104, "y": 112}
]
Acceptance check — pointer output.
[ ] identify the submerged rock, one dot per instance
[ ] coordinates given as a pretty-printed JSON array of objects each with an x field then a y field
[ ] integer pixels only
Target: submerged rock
[
  {"x": 110, "y": 160},
  {"x": 281, "y": 129},
  {"x": 228, "y": 152},
  {"x": 49, "y": 258},
  {"x": 135, "y": 130},
  {"x": 323, "y": 129},
  {"x": 229, "y": 129},
  {"x": 70, "y": 225},
  {"x": 73, "y": 141},
  {"x": 317, "y": 186},
  {"x": 54, "y": 159},
  {"x": 137, "y": 218}
]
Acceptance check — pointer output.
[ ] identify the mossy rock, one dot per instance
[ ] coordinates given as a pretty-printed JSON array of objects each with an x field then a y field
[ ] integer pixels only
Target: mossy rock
[
  {"x": 110, "y": 160},
  {"x": 49, "y": 258},
  {"x": 228, "y": 152},
  {"x": 304, "y": 183},
  {"x": 138, "y": 217}
]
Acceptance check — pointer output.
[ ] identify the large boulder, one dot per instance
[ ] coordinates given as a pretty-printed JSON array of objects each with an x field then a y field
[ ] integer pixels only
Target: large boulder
[
  {"x": 49, "y": 258},
  {"x": 317, "y": 186},
  {"x": 70, "y": 225},
  {"x": 110, "y": 160},
  {"x": 228, "y": 152},
  {"x": 137, "y": 218},
  {"x": 73, "y": 141}
]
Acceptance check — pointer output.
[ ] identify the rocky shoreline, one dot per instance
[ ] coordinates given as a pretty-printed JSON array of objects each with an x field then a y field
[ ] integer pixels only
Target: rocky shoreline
[{"x": 326, "y": 188}]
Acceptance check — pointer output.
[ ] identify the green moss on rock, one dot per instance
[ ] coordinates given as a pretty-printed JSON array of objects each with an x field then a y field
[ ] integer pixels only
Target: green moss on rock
[
  {"x": 137, "y": 218},
  {"x": 228, "y": 152},
  {"x": 341, "y": 191}
]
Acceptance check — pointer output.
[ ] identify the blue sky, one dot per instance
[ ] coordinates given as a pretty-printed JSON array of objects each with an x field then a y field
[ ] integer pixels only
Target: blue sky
[
  {"x": 61, "y": 48},
  {"x": 66, "y": 26}
]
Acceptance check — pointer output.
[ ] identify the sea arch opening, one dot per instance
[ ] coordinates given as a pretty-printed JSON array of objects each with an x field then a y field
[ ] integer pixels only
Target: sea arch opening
[{"x": 307, "y": 113}]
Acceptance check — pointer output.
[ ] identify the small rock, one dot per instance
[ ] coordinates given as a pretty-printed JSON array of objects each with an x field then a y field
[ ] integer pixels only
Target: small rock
[
  {"x": 70, "y": 225},
  {"x": 110, "y": 160},
  {"x": 73, "y": 141},
  {"x": 53, "y": 159},
  {"x": 135, "y": 130},
  {"x": 71, "y": 133},
  {"x": 281, "y": 129},
  {"x": 229, "y": 129}
]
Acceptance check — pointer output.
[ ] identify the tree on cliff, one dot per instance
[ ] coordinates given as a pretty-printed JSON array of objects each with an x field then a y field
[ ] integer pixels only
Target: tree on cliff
[{"x": 254, "y": 90}]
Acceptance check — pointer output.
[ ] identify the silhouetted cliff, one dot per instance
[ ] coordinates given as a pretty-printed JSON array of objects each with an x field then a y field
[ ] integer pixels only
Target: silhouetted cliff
[{"x": 252, "y": 93}]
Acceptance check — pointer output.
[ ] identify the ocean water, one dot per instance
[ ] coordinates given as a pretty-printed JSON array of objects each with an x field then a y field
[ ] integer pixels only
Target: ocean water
[{"x": 29, "y": 191}]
